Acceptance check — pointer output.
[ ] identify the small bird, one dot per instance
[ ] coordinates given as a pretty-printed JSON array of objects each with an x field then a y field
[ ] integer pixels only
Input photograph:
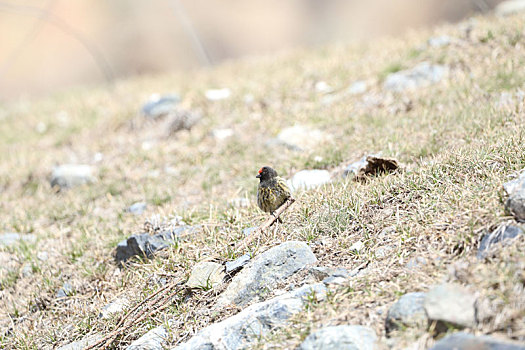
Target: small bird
[{"x": 273, "y": 190}]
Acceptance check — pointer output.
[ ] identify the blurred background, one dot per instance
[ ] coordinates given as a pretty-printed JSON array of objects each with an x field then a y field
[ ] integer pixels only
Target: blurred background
[{"x": 48, "y": 45}]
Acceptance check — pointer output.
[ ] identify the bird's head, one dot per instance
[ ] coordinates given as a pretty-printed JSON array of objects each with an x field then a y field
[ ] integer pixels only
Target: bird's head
[{"x": 266, "y": 173}]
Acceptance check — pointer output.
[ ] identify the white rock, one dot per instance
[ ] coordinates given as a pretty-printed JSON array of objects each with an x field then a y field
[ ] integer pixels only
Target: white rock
[
  {"x": 221, "y": 134},
  {"x": 510, "y": 7},
  {"x": 114, "y": 307},
  {"x": 70, "y": 175},
  {"x": 218, "y": 94}
]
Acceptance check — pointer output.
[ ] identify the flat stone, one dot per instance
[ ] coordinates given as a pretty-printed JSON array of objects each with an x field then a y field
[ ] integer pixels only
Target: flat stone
[
  {"x": 222, "y": 134},
  {"x": 137, "y": 208},
  {"x": 450, "y": 304},
  {"x": 10, "y": 239},
  {"x": 407, "y": 312},
  {"x": 218, "y": 94},
  {"x": 422, "y": 75},
  {"x": 307, "y": 179},
  {"x": 357, "y": 88},
  {"x": 301, "y": 138},
  {"x": 155, "y": 339},
  {"x": 321, "y": 272},
  {"x": 515, "y": 203},
  {"x": 66, "y": 290},
  {"x": 82, "y": 343},
  {"x": 341, "y": 337},
  {"x": 115, "y": 307},
  {"x": 465, "y": 341},
  {"x": 510, "y": 7},
  {"x": 254, "y": 322},
  {"x": 236, "y": 265},
  {"x": 264, "y": 271},
  {"x": 71, "y": 175},
  {"x": 206, "y": 275},
  {"x": 503, "y": 234},
  {"x": 160, "y": 106}
]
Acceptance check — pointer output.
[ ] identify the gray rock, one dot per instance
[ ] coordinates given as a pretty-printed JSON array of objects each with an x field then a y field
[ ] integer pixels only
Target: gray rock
[
  {"x": 301, "y": 138},
  {"x": 358, "y": 87},
  {"x": 155, "y": 339},
  {"x": 236, "y": 265},
  {"x": 502, "y": 234},
  {"x": 182, "y": 119},
  {"x": 341, "y": 337},
  {"x": 248, "y": 231},
  {"x": 307, "y": 179},
  {"x": 515, "y": 204},
  {"x": 82, "y": 343},
  {"x": 321, "y": 272},
  {"x": 10, "y": 239},
  {"x": 424, "y": 74},
  {"x": 510, "y": 7},
  {"x": 382, "y": 252},
  {"x": 450, "y": 304},
  {"x": 160, "y": 106},
  {"x": 416, "y": 263},
  {"x": 408, "y": 311},
  {"x": 439, "y": 41},
  {"x": 137, "y": 208},
  {"x": 265, "y": 271},
  {"x": 115, "y": 307},
  {"x": 465, "y": 341},
  {"x": 206, "y": 275},
  {"x": 354, "y": 168},
  {"x": 42, "y": 256},
  {"x": 254, "y": 322},
  {"x": 65, "y": 291},
  {"x": 145, "y": 245},
  {"x": 71, "y": 175}
]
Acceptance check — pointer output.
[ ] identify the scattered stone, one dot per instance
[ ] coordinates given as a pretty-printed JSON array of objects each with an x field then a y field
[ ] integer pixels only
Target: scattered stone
[
  {"x": 137, "y": 208},
  {"x": 218, "y": 94},
  {"x": 182, "y": 119},
  {"x": 301, "y": 138},
  {"x": 41, "y": 127},
  {"x": 450, "y": 304},
  {"x": 341, "y": 337},
  {"x": 510, "y": 7},
  {"x": 146, "y": 245},
  {"x": 357, "y": 246},
  {"x": 416, "y": 263},
  {"x": 82, "y": 343},
  {"x": 116, "y": 306},
  {"x": 155, "y": 339},
  {"x": 98, "y": 157},
  {"x": 262, "y": 273},
  {"x": 515, "y": 204},
  {"x": 160, "y": 106},
  {"x": 42, "y": 256},
  {"x": 27, "y": 270},
  {"x": 439, "y": 41},
  {"x": 71, "y": 175},
  {"x": 358, "y": 87},
  {"x": 321, "y": 272},
  {"x": 10, "y": 239},
  {"x": 222, "y": 134},
  {"x": 408, "y": 311},
  {"x": 248, "y": 231},
  {"x": 502, "y": 234},
  {"x": 232, "y": 267},
  {"x": 307, "y": 179},
  {"x": 254, "y": 322},
  {"x": 422, "y": 75},
  {"x": 323, "y": 87},
  {"x": 382, "y": 252},
  {"x": 369, "y": 166},
  {"x": 66, "y": 290},
  {"x": 465, "y": 341},
  {"x": 206, "y": 275},
  {"x": 240, "y": 202}
]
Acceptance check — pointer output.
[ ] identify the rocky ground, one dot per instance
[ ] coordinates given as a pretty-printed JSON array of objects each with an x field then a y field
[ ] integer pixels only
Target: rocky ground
[{"x": 129, "y": 216}]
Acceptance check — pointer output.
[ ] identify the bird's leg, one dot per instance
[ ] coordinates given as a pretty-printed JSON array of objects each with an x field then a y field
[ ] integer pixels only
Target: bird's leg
[{"x": 278, "y": 218}]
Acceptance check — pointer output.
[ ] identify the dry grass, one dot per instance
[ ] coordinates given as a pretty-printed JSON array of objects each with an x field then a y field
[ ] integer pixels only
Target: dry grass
[{"x": 457, "y": 143}]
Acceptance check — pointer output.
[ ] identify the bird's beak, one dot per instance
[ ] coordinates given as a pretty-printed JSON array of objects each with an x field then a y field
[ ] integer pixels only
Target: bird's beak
[{"x": 258, "y": 176}]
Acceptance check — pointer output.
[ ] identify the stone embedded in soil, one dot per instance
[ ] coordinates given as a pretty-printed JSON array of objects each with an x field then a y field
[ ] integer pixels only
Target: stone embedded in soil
[
  {"x": 307, "y": 179},
  {"x": 254, "y": 322},
  {"x": 159, "y": 106},
  {"x": 301, "y": 138},
  {"x": 465, "y": 341},
  {"x": 370, "y": 165},
  {"x": 408, "y": 311},
  {"x": 137, "y": 208},
  {"x": 422, "y": 75},
  {"x": 450, "y": 304},
  {"x": 145, "y": 245},
  {"x": 416, "y": 263},
  {"x": 261, "y": 274},
  {"x": 358, "y": 87},
  {"x": 515, "y": 203},
  {"x": 206, "y": 275},
  {"x": 343, "y": 337},
  {"x": 71, "y": 175},
  {"x": 115, "y": 307},
  {"x": 10, "y": 239},
  {"x": 236, "y": 265},
  {"x": 155, "y": 339},
  {"x": 82, "y": 343},
  {"x": 503, "y": 234},
  {"x": 65, "y": 291}
]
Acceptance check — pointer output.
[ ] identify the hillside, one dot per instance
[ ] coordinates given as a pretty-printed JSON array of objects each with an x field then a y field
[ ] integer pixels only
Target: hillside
[{"x": 450, "y": 110}]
